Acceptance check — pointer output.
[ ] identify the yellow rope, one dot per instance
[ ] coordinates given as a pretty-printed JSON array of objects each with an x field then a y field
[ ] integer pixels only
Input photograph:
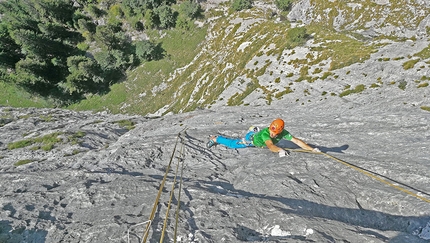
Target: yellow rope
[
  {"x": 146, "y": 233},
  {"x": 365, "y": 172},
  {"x": 170, "y": 202}
]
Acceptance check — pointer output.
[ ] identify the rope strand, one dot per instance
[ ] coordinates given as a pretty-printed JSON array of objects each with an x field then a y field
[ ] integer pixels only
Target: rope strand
[{"x": 365, "y": 173}]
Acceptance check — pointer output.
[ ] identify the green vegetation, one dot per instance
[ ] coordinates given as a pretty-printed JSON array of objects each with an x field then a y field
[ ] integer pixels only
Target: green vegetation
[
  {"x": 74, "y": 138},
  {"x": 5, "y": 120},
  {"x": 49, "y": 56},
  {"x": 296, "y": 37},
  {"x": 47, "y": 118},
  {"x": 238, "y": 5},
  {"x": 283, "y": 5},
  {"x": 326, "y": 75},
  {"x": 410, "y": 64},
  {"x": 402, "y": 85},
  {"x": 424, "y": 53},
  {"x": 131, "y": 74},
  {"x": 46, "y": 142},
  {"x": 426, "y": 108},
  {"x": 351, "y": 51},
  {"x": 16, "y": 96},
  {"x": 127, "y": 124},
  {"x": 358, "y": 89},
  {"x": 23, "y": 162},
  {"x": 182, "y": 47}
]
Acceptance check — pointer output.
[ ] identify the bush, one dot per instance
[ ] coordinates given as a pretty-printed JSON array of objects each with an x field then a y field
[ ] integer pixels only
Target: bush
[
  {"x": 239, "y": 5},
  {"x": 184, "y": 23},
  {"x": 358, "y": 89},
  {"x": 283, "y": 5},
  {"x": 402, "y": 85},
  {"x": 297, "y": 36}
]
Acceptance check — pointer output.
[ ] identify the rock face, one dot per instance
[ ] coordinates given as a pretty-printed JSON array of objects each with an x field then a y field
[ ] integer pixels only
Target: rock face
[
  {"x": 94, "y": 177},
  {"x": 382, "y": 18},
  {"x": 101, "y": 178}
]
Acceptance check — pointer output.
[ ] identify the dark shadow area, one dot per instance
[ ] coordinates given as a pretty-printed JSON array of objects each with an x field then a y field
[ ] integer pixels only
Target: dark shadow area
[
  {"x": 243, "y": 233},
  {"x": 288, "y": 144},
  {"x": 18, "y": 235},
  {"x": 386, "y": 177},
  {"x": 355, "y": 217}
]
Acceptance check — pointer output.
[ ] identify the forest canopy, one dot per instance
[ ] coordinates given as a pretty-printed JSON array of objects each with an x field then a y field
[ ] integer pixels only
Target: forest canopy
[{"x": 66, "y": 49}]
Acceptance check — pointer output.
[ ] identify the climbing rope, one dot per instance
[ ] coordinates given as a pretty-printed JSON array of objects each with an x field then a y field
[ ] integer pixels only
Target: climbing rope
[
  {"x": 171, "y": 196},
  {"x": 154, "y": 209},
  {"x": 365, "y": 173}
]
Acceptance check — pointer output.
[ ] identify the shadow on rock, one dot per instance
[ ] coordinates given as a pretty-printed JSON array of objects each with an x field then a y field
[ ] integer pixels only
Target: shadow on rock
[
  {"x": 291, "y": 145},
  {"x": 357, "y": 217},
  {"x": 243, "y": 233},
  {"x": 18, "y": 235}
]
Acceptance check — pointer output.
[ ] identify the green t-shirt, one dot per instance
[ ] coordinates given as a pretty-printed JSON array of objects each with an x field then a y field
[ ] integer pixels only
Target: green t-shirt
[{"x": 262, "y": 136}]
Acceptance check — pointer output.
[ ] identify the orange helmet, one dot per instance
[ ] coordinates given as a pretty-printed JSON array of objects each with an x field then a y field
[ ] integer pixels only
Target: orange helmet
[{"x": 277, "y": 126}]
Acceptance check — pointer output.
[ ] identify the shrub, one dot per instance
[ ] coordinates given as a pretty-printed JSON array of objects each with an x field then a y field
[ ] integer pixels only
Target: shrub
[
  {"x": 283, "y": 5},
  {"x": 239, "y": 5},
  {"x": 150, "y": 19},
  {"x": 296, "y": 37},
  {"x": 402, "y": 85},
  {"x": 358, "y": 89},
  {"x": 184, "y": 23},
  {"x": 116, "y": 11}
]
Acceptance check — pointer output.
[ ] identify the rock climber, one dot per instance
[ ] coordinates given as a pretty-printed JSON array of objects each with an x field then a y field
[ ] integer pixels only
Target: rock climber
[{"x": 268, "y": 136}]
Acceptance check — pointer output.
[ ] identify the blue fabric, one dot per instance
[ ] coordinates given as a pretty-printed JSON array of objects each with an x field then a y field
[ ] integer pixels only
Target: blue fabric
[{"x": 235, "y": 143}]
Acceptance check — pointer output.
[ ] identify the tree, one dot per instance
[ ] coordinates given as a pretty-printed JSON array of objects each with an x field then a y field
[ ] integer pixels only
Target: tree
[
  {"x": 113, "y": 63},
  {"x": 39, "y": 46},
  {"x": 110, "y": 37},
  {"x": 150, "y": 19},
  {"x": 18, "y": 15},
  {"x": 38, "y": 40},
  {"x": 9, "y": 51},
  {"x": 56, "y": 11},
  {"x": 166, "y": 16},
  {"x": 190, "y": 9},
  {"x": 145, "y": 50},
  {"x": 84, "y": 76}
]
